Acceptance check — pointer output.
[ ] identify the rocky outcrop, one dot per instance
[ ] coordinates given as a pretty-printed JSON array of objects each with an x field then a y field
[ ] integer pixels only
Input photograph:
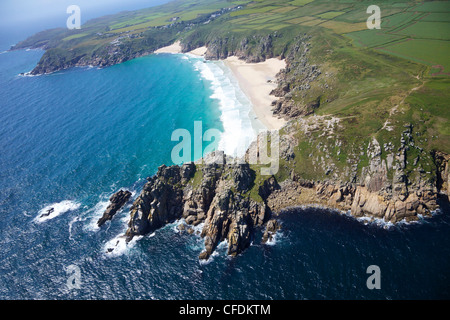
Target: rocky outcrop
[
  {"x": 117, "y": 201},
  {"x": 271, "y": 229},
  {"x": 231, "y": 217},
  {"x": 217, "y": 194},
  {"x": 217, "y": 199},
  {"x": 161, "y": 200},
  {"x": 295, "y": 81}
]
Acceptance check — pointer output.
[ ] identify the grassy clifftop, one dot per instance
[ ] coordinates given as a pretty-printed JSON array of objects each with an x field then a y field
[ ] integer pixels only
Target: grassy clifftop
[{"x": 350, "y": 85}]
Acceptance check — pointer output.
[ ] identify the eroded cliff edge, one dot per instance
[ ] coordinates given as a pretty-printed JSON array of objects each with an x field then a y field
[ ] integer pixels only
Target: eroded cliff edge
[
  {"x": 373, "y": 158},
  {"x": 232, "y": 200},
  {"x": 210, "y": 193}
]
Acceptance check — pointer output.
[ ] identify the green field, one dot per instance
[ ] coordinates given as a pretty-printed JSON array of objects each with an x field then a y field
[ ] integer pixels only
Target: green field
[
  {"x": 437, "y": 17},
  {"x": 423, "y": 22},
  {"x": 428, "y": 30},
  {"x": 330, "y": 14},
  {"x": 300, "y": 2},
  {"x": 429, "y": 52},
  {"x": 75, "y": 36},
  {"x": 411, "y": 33},
  {"x": 369, "y": 79},
  {"x": 433, "y": 6}
]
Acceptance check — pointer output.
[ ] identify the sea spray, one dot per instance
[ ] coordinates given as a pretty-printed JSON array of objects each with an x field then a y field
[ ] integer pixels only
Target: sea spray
[
  {"x": 240, "y": 127},
  {"x": 55, "y": 209}
]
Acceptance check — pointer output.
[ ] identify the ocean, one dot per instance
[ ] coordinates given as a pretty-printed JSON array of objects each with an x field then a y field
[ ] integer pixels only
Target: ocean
[{"x": 71, "y": 139}]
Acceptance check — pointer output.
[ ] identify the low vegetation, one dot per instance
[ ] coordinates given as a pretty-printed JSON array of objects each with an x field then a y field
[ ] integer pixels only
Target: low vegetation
[{"x": 375, "y": 82}]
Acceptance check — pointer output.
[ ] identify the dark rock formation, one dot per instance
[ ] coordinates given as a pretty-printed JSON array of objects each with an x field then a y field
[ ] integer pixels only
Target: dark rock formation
[
  {"x": 218, "y": 196},
  {"x": 117, "y": 201},
  {"x": 217, "y": 200},
  {"x": 271, "y": 229},
  {"x": 296, "y": 80}
]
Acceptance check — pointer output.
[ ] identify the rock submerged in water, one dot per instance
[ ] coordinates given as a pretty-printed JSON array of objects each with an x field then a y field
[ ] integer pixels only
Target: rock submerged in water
[
  {"x": 271, "y": 229},
  {"x": 216, "y": 199},
  {"x": 117, "y": 201},
  {"x": 222, "y": 198}
]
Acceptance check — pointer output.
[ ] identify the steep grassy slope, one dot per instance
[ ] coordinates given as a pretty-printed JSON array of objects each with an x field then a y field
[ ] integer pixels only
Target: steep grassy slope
[{"x": 351, "y": 86}]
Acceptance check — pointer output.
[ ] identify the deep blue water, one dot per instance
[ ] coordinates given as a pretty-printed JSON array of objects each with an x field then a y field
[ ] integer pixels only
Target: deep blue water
[{"x": 72, "y": 138}]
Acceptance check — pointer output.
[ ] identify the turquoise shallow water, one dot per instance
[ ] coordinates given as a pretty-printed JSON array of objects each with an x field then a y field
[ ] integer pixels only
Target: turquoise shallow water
[{"x": 72, "y": 138}]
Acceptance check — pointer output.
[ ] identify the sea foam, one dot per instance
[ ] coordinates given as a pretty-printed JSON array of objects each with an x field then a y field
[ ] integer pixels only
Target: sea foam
[
  {"x": 119, "y": 246},
  {"x": 55, "y": 209},
  {"x": 240, "y": 126}
]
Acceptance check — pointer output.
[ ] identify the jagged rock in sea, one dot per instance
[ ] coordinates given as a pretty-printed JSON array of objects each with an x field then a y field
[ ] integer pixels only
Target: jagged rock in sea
[
  {"x": 271, "y": 229},
  {"x": 218, "y": 196},
  {"x": 117, "y": 201},
  {"x": 216, "y": 199}
]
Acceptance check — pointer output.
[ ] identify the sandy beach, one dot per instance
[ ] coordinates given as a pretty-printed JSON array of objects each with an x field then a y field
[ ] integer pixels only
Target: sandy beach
[
  {"x": 173, "y": 48},
  {"x": 254, "y": 81},
  {"x": 176, "y": 48}
]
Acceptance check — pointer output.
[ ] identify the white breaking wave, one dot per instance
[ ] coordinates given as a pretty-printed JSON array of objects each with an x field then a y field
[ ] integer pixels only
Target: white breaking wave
[
  {"x": 96, "y": 213},
  {"x": 379, "y": 222},
  {"x": 220, "y": 250},
  {"x": 119, "y": 246},
  {"x": 240, "y": 126},
  {"x": 275, "y": 238},
  {"x": 53, "y": 210}
]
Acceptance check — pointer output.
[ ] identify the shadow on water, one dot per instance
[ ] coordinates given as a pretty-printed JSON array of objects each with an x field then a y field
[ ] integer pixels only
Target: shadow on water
[{"x": 413, "y": 257}]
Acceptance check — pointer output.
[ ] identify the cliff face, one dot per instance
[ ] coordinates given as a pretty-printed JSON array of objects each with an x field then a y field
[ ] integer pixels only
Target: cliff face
[
  {"x": 56, "y": 59},
  {"x": 218, "y": 196},
  {"x": 256, "y": 48},
  {"x": 211, "y": 194}
]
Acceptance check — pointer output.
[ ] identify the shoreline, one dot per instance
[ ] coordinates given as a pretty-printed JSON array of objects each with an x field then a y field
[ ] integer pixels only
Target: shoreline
[
  {"x": 256, "y": 80},
  {"x": 175, "y": 48}
]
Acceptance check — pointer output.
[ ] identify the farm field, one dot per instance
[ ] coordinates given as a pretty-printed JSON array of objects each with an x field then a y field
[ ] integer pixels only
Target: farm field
[
  {"x": 418, "y": 23},
  {"x": 370, "y": 79},
  {"x": 433, "y": 53},
  {"x": 419, "y": 32}
]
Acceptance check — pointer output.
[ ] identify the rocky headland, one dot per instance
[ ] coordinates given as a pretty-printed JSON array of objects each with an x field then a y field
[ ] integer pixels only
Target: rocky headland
[
  {"x": 389, "y": 171},
  {"x": 220, "y": 197},
  {"x": 116, "y": 202},
  {"x": 209, "y": 193}
]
